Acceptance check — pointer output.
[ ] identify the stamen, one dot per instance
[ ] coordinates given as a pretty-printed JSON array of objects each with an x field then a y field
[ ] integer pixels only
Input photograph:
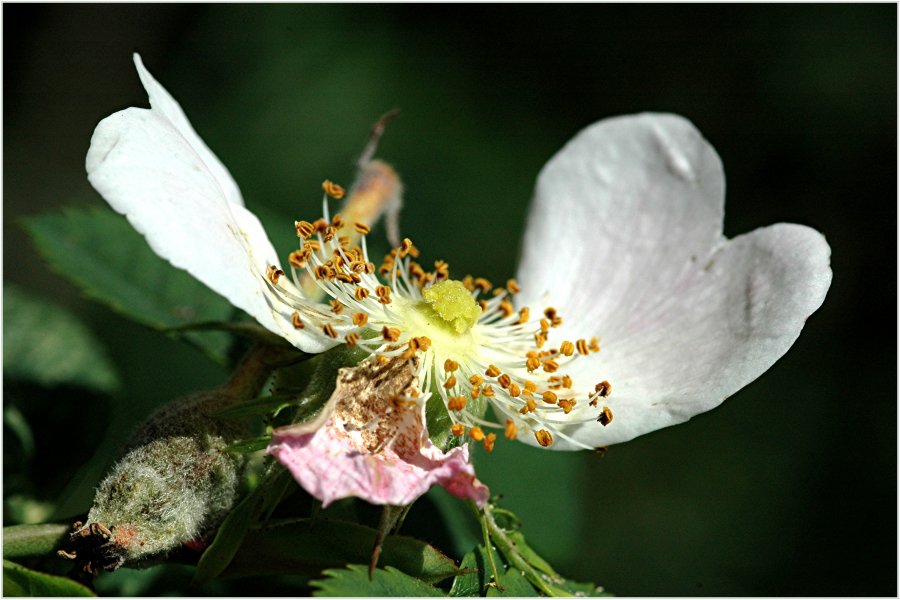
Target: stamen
[
  {"x": 360, "y": 319},
  {"x": 273, "y": 274},
  {"x": 296, "y": 321},
  {"x": 476, "y": 433},
  {"x": 456, "y": 403},
  {"x": 329, "y": 330},
  {"x": 543, "y": 437},
  {"x": 489, "y": 442},
  {"x": 511, "y": 430},
  {"x": 457, "y": 429},
  {"x": 333, "y": 189},
  {"x": 605, "y": 417}
]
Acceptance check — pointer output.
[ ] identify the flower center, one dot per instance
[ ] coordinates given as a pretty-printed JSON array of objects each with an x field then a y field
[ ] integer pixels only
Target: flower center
[{"x": 452, "y": 303}]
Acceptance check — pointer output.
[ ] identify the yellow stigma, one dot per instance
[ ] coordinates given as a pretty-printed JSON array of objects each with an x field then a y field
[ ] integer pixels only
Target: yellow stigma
[{"x": 453, "y": 303}]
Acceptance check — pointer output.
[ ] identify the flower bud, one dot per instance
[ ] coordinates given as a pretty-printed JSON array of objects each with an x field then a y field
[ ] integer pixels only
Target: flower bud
[{"x": 175, "y": 484}]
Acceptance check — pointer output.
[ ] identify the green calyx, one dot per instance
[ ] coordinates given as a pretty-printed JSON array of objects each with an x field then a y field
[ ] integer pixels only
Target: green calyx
[{"x": 452, "y": 302}]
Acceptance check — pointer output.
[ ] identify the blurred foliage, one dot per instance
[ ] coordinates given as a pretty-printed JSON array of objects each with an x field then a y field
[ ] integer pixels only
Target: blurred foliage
[{"x": 789, "y": 488}]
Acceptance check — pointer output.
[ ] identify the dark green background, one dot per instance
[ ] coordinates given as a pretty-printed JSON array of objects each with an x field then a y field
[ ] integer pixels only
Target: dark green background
[{"x": 788, "y": 488}]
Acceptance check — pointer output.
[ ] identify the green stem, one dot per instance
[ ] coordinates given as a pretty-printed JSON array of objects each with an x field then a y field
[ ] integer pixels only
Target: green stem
[
  {"x": 508, "y": 548},
  {"x": 482, "y": 518},
  {"x": 256, "y": 367}
]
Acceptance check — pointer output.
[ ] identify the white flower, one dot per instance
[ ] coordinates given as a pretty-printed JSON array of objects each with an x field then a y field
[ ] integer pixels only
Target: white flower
[{"x": 623, "y": 247}]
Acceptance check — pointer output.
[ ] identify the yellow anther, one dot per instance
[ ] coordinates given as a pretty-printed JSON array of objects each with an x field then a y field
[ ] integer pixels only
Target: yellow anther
[
  {"x": 336, "y": 307},
  {"x": 543, "y": 437},
  {"x": 476, "y": 433},
  {"x": 329, "y": 330},
  {"x": 273, "y": 274},
  {"x": 514, "y": 390},
  {"x": 295, "y": 320},
  {"x": 594, "y": 345},
  {"x": 362, "y": 228},
  {"x": 360, "y": 319},
  {"x": 333, "y": 189},
  {"x": 298, "y": 259},
  {"x": 530, "y": 406},
  {"x": 304, "y": 229},
  {"x": 504, "y": 381},
  {"x": 405, "y": 247},
  {"x": 551, "y": 366},
  {"x": 351, "y": 339},
  {"x": 582, "y": 347},
  {"x": 489, "y": 442},
  {"x": 540, "y": 339},
  {"x": 451, "y": 381},
  {"x": 424, "y": 343},
  {"x": 450, "y": 365},
  {"x": 487, "y": 391},
  {"x": 524, "y": 315},
  {"x": 567, "y": 382},
  {"x": 567, "y": 348},
  {"x": 456, "y": 403},
  {"x": 511, "y": 430},
  {"x": 476, "y": 379},
  {"x": 483, "y": 284},
  {"x": 337, "y": 221},
  {"x": 566, "y": 405},
  {"x": 545, "y": 325},
  {"x": 549, "y": 397},
  {"x": 361, "y": 294},
  {"x": 390, "y": 334},
  {"x": 603, "y": 388},
  {"x": 605, "y": 417},
  {"x": 530, "y": 387},
  {"x": 492, "y": 371},
  {"x": 457, "y": 429},
  {"x": 513, "y": 286},
  {"x": 476, "y": 391}
]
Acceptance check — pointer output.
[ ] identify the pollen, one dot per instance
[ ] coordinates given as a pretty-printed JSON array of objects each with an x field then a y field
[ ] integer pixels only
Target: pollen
[
  {"x": 543, "y": 437},
  {"x": 458, "y": 429},
  {"x": 476, "y": 379},
  {"x": 489, "y": 442},
  {"x": 451, "y": 381},
  {"x": 333, "y": 189},
  {"x": 511, "y": 430},
  {"x": 362, "y": 228},
  {"x": 566, "y": 405},
  {"x": 304, "y": 229},
  {"x": 361, "y": 294},
  {"x": 549, "y": 397},
  {"x": 456, "y": 403},
  {"x": 513, "y": 286},
  {"x": 450, "y": 365},
  {"x": 492, "y": 371},
  {"x": 583, "y": 347},
  {"x": 530, "y": 406},
  {"x": 476, "y": 433},
  {"x": 360, "y": 319},
  {"x": 568, "y": 348},
  {"x": 514, "y": 390},
  {"x": 605, "y": 417},
  {"x": 273, "y": 274}
]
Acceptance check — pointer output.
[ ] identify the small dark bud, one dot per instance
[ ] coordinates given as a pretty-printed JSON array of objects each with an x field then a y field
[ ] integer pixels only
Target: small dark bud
[{"x": 174, "y": 485}]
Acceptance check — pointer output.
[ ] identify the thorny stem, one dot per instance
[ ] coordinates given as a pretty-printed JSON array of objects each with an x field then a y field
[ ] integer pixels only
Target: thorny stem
[
  {"x": 256, "y": 367},
  {"x": 390, "y": 516},
  {"x": 508, "y": 548},
  {"x": 482, "y": 519}
]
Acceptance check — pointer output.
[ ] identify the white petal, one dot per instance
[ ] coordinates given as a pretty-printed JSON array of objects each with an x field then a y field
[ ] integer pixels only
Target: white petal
[
  {"x": 147, "y": 169},
  {"x": 164, "y": 104},
  {"x": 685, "y": 318}
]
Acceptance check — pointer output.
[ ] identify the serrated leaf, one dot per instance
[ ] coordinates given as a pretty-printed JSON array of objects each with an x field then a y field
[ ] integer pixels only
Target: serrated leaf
[
  {"x": 472, "y": 582},
  {"x": 100, "y": 252},
  {"x": 44, "y": 343},
  {"x": 354, "y": 582},
  {"x": 20, "y": 541},
  {"x": 303, "y": 547},
  {"x": 249, "y": 445},
  {"x": 19, "y": 581},
  {"x": 533, "y": 558}
]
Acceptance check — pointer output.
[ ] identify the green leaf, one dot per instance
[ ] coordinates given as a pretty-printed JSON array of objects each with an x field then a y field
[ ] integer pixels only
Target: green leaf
[
  {"x": 227, "y": 541},
  {"x": 476, "y": 576},
  {"x": 249, "y": 445},
  {"x": 100, "y": 252},
  {"x": 354, "y": 582},
  {"x": 515, "y": 585},
  {"x": 306, "y": 547},
  {"x": 20, "y": 541},
  {"x": 533, "y": 558},
  {"x": 19, "y": 581},
  {"x": 44, "y": 343}
]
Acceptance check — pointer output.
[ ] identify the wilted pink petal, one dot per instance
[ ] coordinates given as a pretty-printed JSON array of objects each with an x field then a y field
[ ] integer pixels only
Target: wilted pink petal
[{"x": 373, "y": 444}]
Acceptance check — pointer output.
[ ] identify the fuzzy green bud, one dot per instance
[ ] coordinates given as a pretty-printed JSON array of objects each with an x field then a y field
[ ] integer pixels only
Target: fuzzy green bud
[{"x": 175, "y": 484}]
